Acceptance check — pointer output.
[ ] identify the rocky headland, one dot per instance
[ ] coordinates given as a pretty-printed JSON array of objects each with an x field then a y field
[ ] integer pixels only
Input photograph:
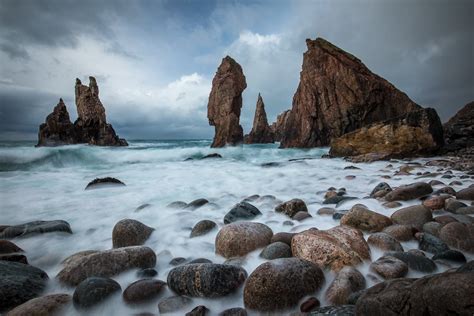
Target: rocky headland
[{"x": 91, "y": 126}]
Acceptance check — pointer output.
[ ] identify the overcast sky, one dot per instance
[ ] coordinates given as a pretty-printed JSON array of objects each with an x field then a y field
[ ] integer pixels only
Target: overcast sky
[{"x": 154, "y": 60}]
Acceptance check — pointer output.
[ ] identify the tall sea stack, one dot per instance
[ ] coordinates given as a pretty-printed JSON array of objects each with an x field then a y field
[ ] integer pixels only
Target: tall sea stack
[
  {"x": 338, "y": 94},
  {"x": 261, "y": 132},
  {"x": 225, "y": 103},
  {"x": 459, "y": 132},
  {"x": 91, "y": 126}
]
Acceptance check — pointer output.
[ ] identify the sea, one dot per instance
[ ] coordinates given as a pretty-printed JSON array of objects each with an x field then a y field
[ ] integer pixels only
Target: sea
[{"x": 48, "y": 183}]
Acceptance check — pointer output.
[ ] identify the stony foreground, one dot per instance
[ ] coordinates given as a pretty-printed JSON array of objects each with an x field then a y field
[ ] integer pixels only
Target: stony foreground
[{"x": 416, "y": 259}]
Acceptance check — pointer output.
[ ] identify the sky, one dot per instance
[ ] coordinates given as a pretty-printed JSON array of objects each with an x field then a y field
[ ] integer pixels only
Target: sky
[{"x": 154, "y": 60}]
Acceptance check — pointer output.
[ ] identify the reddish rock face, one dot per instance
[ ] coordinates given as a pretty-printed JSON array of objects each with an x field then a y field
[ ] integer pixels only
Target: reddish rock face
[
  {"x": 90, "y": 127},
  {"x": 261, "y": 132},
  {"x": 338, "y": 94},
  {"x": 58, "y": 129},
  {"x": 278, "y": 127},
  {"x": 459, "y": 131},
  {"x": 225, "y": 103}
]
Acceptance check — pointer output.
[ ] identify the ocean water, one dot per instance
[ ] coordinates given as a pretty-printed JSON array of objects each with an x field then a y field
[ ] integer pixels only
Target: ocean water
[{"x": 48, "y": 184}]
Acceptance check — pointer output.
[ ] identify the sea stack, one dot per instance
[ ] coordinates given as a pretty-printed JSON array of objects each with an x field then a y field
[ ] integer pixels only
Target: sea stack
[
  {"x": 58, "y": 128},
  {"x": 225, "y": 103},
  {"x": 261, "y": 132},
  {"x": 338, "y": 94},
  {"x": 459, "y": 132},
  {"x": 91, "y": 126},
  {"x": 278, "y": 127}
]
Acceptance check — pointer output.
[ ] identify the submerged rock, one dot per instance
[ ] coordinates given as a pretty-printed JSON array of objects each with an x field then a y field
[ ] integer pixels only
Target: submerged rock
[
  {"x": 206, "y": 279},
  {"x": 36, "y": 227},
  {"x": 143, "y": 290},
  {"x": 46, "y": 305},
  {"x": 240, "y": 212},
  {"x": 19, "y": 283},
  {"x": 93, "y": 291},
  {"x": 104, "y": 182},
  {"x": 202, "y": 228},
  {"x": 173, "y": 304},
  {"x": 279, "y": 284},
  {"x": 130, "y": 232},
  {"x": 276, "y": 250},
  {"x": 261, "y": 132},
  {"x": 292, "y": 207},
  {"x": 334, "y": 248},
  {"x": 225, "y": 103},
  {"x": 409, "y": 192},
  {"x": 238, "y": 239},
  {"x": 107, "y": 263},
  {"x": 364, "y": 219}
]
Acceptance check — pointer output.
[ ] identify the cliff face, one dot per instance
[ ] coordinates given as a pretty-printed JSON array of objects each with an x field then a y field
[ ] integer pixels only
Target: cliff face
[
  {"x": 225, "y": 103},
  {"x": 278, "y": 127},
  {"x": 459, "y": 132},
  {"x": 91, "y": 126},
  {"x": 261, "y": 132},
  {"x": 58, "y": 129},
  {"x": 338, "y": 94},
  {"x": 413, "y": 134}
]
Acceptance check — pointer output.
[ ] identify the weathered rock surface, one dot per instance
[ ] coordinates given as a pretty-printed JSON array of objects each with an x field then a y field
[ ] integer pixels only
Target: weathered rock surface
[
  {"x": 432, "y": 244},
  {"x": 58, "y": 129},
  {"x": 338, "y": 94},
  {"x": 19, "y": 283},
  {"x": 459, "y": 132},
  {"x": 415, "y": 261},
  {"x": 45, "y": 305},
  {"x": 225, "y": 103},
  {"x": 36, "y": 227},
  {"x": 359, "y": 216},
  {"x": 279, "y": 126},
  {"x": 458, "y": 235},
  {"x": 335, "y": 248},
  {"x": 409, "y": 192},
  {"x": 347, "y": 281},
  {"x": 400, "y": 232},
  {"x": 106, "y": 263},
  {"x": 206, "y": 279},
  {"x": 279, "y": 284},
  {"x": 389, "y": 267},
  {"x": 240, "y": 238},
  {"x": 202, "y": 228},
  {"x": 94, "y": 290},
  {"x": 143, "y": 290},
  {"x": 415, "y": 216},
  {"x": 130, "y": 232},
  {"x": 276, "y": 250},
  {"x": 466, "y": 194},
  {"x": 439, "y": 294},
  {"x": 412, "y": 134},
  {"x": 91, "y": 126},
  {"x": 291, "y": 207},
  {"x": 261, "y": 132},
  {"x": 385, "y": 242},
  {"x": 241, "y": 211}
]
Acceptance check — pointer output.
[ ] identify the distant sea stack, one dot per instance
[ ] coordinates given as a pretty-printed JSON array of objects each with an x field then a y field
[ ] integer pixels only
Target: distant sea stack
[
  {"x": 278, "y": 127},
  {"x": 459, "y": 132},
  {"x": 338, "y": 94},
  {"x": 261, "y": 132},
  {"x": 225, "y": 103},
  {"x": 91, "y": 126}
]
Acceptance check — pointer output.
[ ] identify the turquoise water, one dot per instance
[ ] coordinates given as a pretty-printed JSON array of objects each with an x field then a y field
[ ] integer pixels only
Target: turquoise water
[{"x": 48, "y": 184}]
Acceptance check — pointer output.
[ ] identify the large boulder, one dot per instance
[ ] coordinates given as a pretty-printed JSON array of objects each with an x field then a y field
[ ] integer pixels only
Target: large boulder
[
  {"x": 19, "y": 283},
  {"x": 347, "y": 281},
  {"x": 459, "y": 131},
  {"x": 281, "y": 283},
  {"x": 338, "y": 94},
  {"x": 36, "y": 227},
  {"x": 225, "y": 103},
  {"x": 412, "y": 134},
  {"x": 206, "y": 279},
  {"x": 130, "y": 232},
  {"x": 45, "y": 305},
  {"x": 439, "y": 294},
  {"x": 93, "y": 291},
  {"x": 58, "y": 128},
  {"x": 261, "y": 132},
  {"x": 458, "y": 235},
  {"x": 364, "y": 219},
  {"x": 106, "y": 263},
  {"x": 409, "y": 192},
  {"x": 415, "y": 216},
  {"x": 240, "y": 212},
  {"x": 334, "y": 248},
  {"x": 143, "y": 290},
  {"x": 240, "y": 238},
  {"x": 466, "y": 194}
]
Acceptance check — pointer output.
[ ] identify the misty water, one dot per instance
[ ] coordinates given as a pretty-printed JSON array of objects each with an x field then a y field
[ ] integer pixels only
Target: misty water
[{"x": 48, "y": 184}]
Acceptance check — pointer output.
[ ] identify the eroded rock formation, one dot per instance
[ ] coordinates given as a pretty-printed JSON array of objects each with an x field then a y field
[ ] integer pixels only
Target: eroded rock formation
[
  {"x": 338, "y": 94},
  {"x": 459, "y": 132},
  {"x": 225, "y": 103},
  {"x": 278, "y": 127},
  {"x": 91, "y": 126},
  {"x": 414, "y": 134},
  {"x": 261, "y": 132}
]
